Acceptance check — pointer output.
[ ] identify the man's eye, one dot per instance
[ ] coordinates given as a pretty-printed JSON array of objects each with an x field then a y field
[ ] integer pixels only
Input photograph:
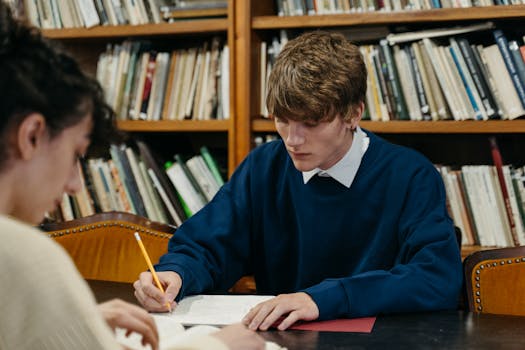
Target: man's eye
[{"x": 311, "y": 125}]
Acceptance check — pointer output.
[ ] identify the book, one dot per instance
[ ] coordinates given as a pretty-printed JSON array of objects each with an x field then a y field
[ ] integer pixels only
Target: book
[
  {"x": 479, "y": 79},
  {"x": 434, "y": 33},
  {"x": 503, "y": 45},
  {"x": 400, "y": 107},
  {"x": 494, "y": 64},
  {"x": 162, "y": 183},
  {"x": 407, "y": 83},
  {"x": 468, "y": 83},
  {"x": 187, "y": 191},
  {"x": 212, "y": 164},
  {"x": 418, "y": 81},
  {"x": 498, "y": 163}
]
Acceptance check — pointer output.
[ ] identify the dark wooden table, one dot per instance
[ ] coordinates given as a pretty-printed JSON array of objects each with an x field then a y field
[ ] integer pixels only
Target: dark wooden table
[{"x": 435, "y": 330}]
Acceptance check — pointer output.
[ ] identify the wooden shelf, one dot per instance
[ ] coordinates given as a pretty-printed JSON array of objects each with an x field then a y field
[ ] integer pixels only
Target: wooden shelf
[
  {"x": 182, "y": 27},
  {"x": 174, "y": 125},
  {"x": 430, "y": 127},
  {"x": 393, "y": 17}
]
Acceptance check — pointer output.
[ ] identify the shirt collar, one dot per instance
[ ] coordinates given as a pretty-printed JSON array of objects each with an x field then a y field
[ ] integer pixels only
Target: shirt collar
[{"x": 344, "y": 170}]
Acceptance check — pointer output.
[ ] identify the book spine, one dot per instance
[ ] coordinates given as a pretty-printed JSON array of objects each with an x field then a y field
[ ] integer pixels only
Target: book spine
[
  {"x": 498, "y": 162},
  {"x": 503, "y": 46},
  {"x": 393, "y": 76},
  {"x": 479, "y": 79},
  {"x": 212, "y": 164},
  {"x": 423, "y": 102}
]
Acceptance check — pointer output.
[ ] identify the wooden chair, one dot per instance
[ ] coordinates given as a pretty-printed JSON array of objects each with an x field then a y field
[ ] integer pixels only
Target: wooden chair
[
  {"x": 103, "y": 245},
  {"x": 495, "y": 281}
]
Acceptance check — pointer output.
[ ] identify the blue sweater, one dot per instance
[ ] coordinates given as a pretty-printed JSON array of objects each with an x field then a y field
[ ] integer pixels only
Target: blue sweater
[{"x": 384, "y": 245}]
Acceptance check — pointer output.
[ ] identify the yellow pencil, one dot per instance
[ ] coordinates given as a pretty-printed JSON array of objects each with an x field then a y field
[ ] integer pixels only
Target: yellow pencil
[{"x": 150, "y": 266}]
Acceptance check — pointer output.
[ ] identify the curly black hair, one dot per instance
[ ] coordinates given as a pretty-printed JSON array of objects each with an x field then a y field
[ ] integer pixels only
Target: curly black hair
[{"x": 36, "y": 75}]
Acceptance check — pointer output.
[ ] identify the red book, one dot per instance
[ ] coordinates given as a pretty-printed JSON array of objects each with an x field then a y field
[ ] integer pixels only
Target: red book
[{"x": 498, "y": 162}]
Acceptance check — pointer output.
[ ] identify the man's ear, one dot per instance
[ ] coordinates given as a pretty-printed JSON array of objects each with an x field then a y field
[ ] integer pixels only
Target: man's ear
[
  {"x": 357, "y": 114},
  {"x": 30, "y": 135}
]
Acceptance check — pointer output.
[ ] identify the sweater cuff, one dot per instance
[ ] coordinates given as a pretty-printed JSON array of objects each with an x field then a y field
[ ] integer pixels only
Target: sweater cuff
[
  {"x": 330, "y": 298},
  {"x": 185, "y": 277}
]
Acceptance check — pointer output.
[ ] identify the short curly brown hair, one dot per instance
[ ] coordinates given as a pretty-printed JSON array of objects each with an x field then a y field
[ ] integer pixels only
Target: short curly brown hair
[{"x": 316, "y": 77}]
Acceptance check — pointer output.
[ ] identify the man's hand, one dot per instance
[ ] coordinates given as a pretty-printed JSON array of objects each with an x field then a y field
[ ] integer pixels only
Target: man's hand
[
  {"x": 291, "y": 307},
  {"x": 237, "y": 336},
  {"x": 119, "y": 313},
  {"x": 151, "y": 297}
]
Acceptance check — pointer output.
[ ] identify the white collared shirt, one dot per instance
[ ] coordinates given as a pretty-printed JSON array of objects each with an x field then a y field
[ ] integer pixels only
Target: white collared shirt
[{"x": 344, "y": 170}]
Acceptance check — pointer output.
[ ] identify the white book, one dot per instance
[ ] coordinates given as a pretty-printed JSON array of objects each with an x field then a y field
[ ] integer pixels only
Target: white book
[
  {"x": 210, "y": 93},
  {"x": 474, "y": 199},
  {"x": 190, "y": 102},
  {"x": 518, "y": 223},
  {"x": 203, "y": 87},
  {"x": 158, "y": 86},
  {"x": 110, "y": 11},
  {"x": 164, "y": 196},
  {"x": 262, "y": 77},
  {"x": 443, "y": 78},
  {"x": 203, "y": 176},
  {"x": 66, "y": 209},
  {"x": 89, "y": 13},
  {"x": 407, "y": 83},
  {"x": 225, "y": 82},
  {"x": 109, "y": 184},
  {"x": 507, "y": 93},
  {"x": 155, "y": 12},
  {"x": 434, "y": 33},
  {"x": 467, "y": 111},
  {"x": 98, "y": 184},
  {"x": 176, "y": 85},
  {"x": 501, "y": 223},
  {"x": 155, "y": 198},
  {"x": 185, "y": 188},
  {"x": 56, "y": 14}
]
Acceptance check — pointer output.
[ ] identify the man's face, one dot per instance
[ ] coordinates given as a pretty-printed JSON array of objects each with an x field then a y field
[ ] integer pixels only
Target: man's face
[{"x": 315, "y": 144}]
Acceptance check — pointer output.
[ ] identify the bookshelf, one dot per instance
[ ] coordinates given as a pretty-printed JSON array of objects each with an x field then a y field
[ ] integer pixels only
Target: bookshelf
[
  {"x": 247, "y": 24},
  {"x": 88, "y": 43},
  {"x": 444, "y": 141}
]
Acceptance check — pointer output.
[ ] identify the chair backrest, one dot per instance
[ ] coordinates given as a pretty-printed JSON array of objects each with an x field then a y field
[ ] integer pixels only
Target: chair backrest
[
  {"x": 495, "y": 280},
  {"x": 103, "y": 245}
]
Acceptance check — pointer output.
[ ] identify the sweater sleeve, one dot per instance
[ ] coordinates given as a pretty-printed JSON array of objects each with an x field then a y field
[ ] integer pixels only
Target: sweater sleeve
[
  {"x": 427, "y": 271},
  {"x": 211, "y": 250},
  {"x": 46, "y": 304}
]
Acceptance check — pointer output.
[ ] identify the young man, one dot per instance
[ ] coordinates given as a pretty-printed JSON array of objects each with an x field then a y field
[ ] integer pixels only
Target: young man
[
  {"x": 336, "y": 220},
  {"x": 49, "y": 112}
]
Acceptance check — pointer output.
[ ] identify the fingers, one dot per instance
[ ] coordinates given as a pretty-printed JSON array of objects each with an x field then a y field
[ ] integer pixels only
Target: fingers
[
  {"x": 118, "y": 313},
  {"x": 282, "y": 312},
  {"x": 152, "y": 298}
]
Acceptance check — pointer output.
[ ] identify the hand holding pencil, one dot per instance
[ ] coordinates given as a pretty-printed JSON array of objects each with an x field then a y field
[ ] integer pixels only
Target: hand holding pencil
[{"x": 153, "y": 273}]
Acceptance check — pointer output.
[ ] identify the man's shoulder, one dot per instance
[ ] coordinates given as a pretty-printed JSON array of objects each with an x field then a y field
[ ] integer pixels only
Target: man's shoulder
[{"x": 397, "y": 153}]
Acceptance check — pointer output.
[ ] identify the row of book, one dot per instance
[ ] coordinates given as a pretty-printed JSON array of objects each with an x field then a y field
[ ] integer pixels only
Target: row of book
[
  {"x": 323, "y": 7},
  {"x": 189, "y": 83},
  {"x": 487, "y": 202},
  {"x": 133, "y": 181},
  {"x": 486, "y": 214},
  {"x": 423, "y": 77},
  {"x": 57, "y": 14}
]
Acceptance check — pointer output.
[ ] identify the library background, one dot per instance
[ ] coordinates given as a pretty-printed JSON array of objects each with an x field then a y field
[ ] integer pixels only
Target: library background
[{"x": 187, "y": 79}]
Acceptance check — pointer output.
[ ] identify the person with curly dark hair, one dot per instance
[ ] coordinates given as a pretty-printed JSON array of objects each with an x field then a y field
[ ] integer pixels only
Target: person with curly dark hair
[{"x": 50, "y": 112}]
